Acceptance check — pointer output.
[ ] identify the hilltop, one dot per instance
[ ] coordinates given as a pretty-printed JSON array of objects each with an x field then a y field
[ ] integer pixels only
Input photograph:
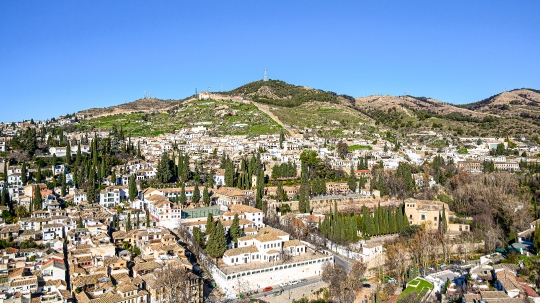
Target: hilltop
[
  {"x": 140, "y": 105},
  {"x": 524, "y": 103}
]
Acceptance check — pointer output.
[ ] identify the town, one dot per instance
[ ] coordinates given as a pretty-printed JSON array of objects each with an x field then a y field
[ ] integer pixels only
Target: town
[{"x": 194, "y": 215}]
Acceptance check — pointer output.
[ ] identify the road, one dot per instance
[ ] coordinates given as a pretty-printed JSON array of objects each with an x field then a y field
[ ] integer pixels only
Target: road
[
  {"x": 294, "y": 291},
  {"x": 342, "y": 261}
]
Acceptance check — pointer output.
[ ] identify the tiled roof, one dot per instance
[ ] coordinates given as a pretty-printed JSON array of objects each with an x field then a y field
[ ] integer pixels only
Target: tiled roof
[{"x": 241, "y": 251}]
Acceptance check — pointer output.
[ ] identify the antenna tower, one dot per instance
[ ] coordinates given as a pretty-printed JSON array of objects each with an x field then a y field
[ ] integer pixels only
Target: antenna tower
[{"x": 265, "y": 75}]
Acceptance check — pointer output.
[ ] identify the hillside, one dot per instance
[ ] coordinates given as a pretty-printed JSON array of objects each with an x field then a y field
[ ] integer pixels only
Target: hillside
[
  {"x": 524, "y": 103},
  {"x": 141, "y": 105},
  {"x": 221, "y": 117},
  {"x": 276, "y": 92}
]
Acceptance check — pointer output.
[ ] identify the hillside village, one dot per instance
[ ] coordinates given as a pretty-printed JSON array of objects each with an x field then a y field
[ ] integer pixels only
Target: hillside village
[{"x": 196, "y": 215}]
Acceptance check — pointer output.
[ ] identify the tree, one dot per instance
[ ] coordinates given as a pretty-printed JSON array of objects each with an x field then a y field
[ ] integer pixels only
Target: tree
[
  {"x": 21, "y": 212},
  {"x": 210, "y": 224},
  {"x": 23, "y": 174},
  {"x": 80, "y": 223},
  {"x": 304, "y": 191},
  {"x": 235, "y": 231},
  {"x": 5, "y": 171},
  {"x": 53, "y": 161},
  {"x": 38, "y": 200},
  {"x": 38, "y": 175},
  {"x": 147, "y": 218},
  {"x": 113, "y": 177},
  {"x": 68, "y": 154},
  {"x": 183, "y": 197},
  {"x": 132, "y": 188},
  {"x": 196, "y": 195},
  {"x": 444, "y": 224},
  {"x": 206, "y": 196},
  {"x": 342, "y": 149},
  {"x": 351, "y": 181},
  {"x": 537, "y": 238},
  {"x": 217, "y": 243},
  {"x": 128, "y": 223},
  {"x": 164, "y": 170},
  {"x": 174, "y": 284},
  {"x": 211, "y": 179},
  {"x": 63, "y": 190}
]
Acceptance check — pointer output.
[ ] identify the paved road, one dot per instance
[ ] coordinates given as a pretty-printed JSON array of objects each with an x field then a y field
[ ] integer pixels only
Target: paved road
[
  {"x": 342, "y": 261},
  {"x": 286, "y": 289}
]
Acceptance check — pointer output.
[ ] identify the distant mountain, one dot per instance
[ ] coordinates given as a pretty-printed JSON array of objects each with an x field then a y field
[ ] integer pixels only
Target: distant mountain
[
  {"x": 523, "y": 103},
  {"x": 140, "y": 105}
]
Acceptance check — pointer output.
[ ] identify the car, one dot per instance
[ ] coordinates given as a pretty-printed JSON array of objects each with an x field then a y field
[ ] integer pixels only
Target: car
[
  {"x": 267, "y": 288},
  {"x": 303, "y": 280},
  {"x": 283, "y": 284},
  {"x": 293, "y": 282}
]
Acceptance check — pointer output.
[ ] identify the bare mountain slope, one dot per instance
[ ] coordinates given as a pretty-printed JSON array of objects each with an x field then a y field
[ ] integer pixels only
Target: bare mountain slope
[{"x": 524, "y": 103}]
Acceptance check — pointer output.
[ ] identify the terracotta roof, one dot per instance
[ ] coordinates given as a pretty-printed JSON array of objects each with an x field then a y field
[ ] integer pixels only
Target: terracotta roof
[{"x": 241, "y": 251}]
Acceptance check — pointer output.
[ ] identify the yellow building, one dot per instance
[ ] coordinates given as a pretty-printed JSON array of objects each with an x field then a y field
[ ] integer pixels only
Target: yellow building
[{"x": 430, "y": 213}]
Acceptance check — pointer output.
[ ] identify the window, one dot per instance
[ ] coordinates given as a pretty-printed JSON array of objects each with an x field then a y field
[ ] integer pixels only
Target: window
[
  {"x": 435, "y": 219},
  {"x": 410, "y": 216},
  {"x": 423, "y": 217}
]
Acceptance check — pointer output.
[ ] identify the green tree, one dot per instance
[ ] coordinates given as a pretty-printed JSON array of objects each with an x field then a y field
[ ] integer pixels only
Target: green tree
[
  {"x": 211, "y": 179},
  {"x": 351, "y": 181},
  {"x": 38, "y": 200},
  {"x": 128, "y": 223},
  {"x": 147, "y": 218},
  {"x": 444, "y": 224},
  {"x": 63, "y": 182},
  {"x": 536, "y": 239},
  {"x": 5, "y": 171},
  {"x": 304, "y": 191},
  {"x": 196, "y": 194},
  {"x": 210, "y": 224},
  {"x": 38, "y": 175},
  {"x": 68, "y": 154},
  {"x": 113, "y": 177},
  {"x": 53, "y": 161},
  {"x": 206, "y": 196},
  {"x": 235, "y": 231},
  {"x": 132, "y": 188},
  {"x": 217, "y": 242},
  {"x": 164, "y": 171},
  {"x": 22, "y": 212},
  {"x": 183, "y": 197},
  {"x": 80, "y": 223},
  {"x": 23, "y": 174}
]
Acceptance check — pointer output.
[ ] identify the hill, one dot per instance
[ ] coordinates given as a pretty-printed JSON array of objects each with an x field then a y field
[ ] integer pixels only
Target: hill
[
  {"x": 140, "y": 105},
  {"x": 277, "y": 92},
  {"x": 524, "y": 103}
]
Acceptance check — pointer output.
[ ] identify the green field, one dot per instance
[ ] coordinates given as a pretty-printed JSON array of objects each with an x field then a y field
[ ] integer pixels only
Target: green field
[{"x": 418, "y": 285}]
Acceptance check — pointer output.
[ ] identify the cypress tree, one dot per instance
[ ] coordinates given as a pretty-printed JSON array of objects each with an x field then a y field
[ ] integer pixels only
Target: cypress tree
[
  {"x": 304, "y": 191},
  {"x": 443, "y": 224},
  {"x": 235, "y": 231},
  {"x": 53, "y": 161},
  {"x": 80, "y": 223},
  {"x": 23, "y": 174},
  {"x": 128, "y": 223},
  {"x": 132, "y": 188},
  {"x": 68, "y": 154},
  {"x": 139, "y": 150},
  {"x": 217, "y": 243},
  {"x": 38, "y": 200},
  {"x": 183, "y": 198},
  {"x": 78, "y": 157},
  {"x": 352, "y": 180},
  {"x": 63, "y": 190},
  {"x": 536, "y": 239},
  {"x": 211, "y": 179},
  {"x": 209, "y": 224},
  {"x": 113, "y": 177},
  {"x": 164, "y": 173},
  {"x": 147, "y": 219},
  {"x": 206, "y": 196},
  {"x": 38, "y": 175},
  {"x": 138, "y": 221},
  {"x": 5, "y": 171},
  {"x": 196, "y": 194}
]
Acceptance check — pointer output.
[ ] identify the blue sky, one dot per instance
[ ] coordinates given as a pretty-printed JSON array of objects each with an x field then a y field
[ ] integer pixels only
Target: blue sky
[{"x": 58, "y": 57}]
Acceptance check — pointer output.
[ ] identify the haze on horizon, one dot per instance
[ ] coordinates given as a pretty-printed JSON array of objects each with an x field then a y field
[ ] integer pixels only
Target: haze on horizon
[{"x": 60, "y": 57}]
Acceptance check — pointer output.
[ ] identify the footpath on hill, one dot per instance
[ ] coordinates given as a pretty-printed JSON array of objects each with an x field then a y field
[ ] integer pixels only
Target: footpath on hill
[{"x": 266, "y": 109}]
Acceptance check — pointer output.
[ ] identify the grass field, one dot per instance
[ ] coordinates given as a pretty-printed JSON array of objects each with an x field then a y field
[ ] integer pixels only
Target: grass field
[{"x": 418, "y": 285}]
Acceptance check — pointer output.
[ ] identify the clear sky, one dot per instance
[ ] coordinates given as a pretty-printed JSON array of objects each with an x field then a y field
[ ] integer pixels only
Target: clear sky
[{"x": 58, "y": 57}]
